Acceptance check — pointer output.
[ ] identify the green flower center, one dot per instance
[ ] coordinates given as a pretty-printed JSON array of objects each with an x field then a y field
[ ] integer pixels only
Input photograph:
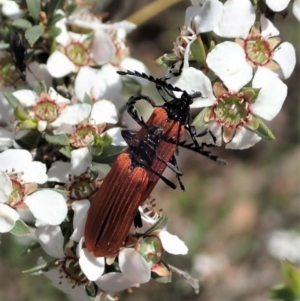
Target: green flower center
[
  {"x": 231, "y": 110},
  {"x": 258, "y": 50},
  {"x": 151, "y": 250},
  {"x": 82, "y": 188},
  {"x": 84, "y": 136},
  {"x": 17, "y": 194},
  {"x": 46, "y": 110},
  {"x": 78, "y": 54}
]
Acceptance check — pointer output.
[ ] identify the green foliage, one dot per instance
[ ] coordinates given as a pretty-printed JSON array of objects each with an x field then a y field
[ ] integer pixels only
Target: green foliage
[
  {"x": 20, "y": 229},
  {"x": 290, "y": 289}
]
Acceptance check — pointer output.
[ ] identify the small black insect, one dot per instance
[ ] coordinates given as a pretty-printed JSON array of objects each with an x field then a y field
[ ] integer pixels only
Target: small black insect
[{"x": 18, "y": 53}]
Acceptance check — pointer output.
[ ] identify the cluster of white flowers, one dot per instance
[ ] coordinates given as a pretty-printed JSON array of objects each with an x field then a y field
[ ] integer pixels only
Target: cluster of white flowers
[{"x": 57, "y": 147}]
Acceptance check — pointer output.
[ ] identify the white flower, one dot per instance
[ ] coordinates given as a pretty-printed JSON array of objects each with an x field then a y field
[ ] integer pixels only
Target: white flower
[
  {"x": 83, "y": 136},
  {"x": 280, "y": 5},
  {"x": 228, "y": 62},
  {"x": 12, "y": 9},
  {"x": 171, "y": 243},
  {"x": 65, "y": 283},
  {"x": 135, "y": 270},
  {"x": 204, "y": 17},
  {"x": 6, "y": 139},
  {"x": 263, "y": 49},
  {"x": 237, "y": 19},
  {"x": 199, "y": 18},
  {"x": 19, "y": 176},
  {"x": 52, "y": 109},
  {"x": 231, "y": 112},
  {"x": 76, "y": 51},
  {"x": 285, "y": 244},
  {"x": 99, "y": 84}
]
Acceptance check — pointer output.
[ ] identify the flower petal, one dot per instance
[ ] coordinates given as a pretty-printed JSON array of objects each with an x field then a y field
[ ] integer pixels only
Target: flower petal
[
  {"x": 38, "y": 73},
  {"x": 172, "y": 243},
  {"x": 81, "y": 159},
  {"x": 285, "y": 56},
  {"x": 92, "y": 267},
  {"x": 206, "y": 17},
  {"x": 63, "y": 283},
  {"x": 8, "y": 218},
  {"x": 104, "y": 111},
  {"x": 15, "y": 159},
  {"x": 238, "y": 17},
  {"x": 271, "y": 96},
  {"x": 59, "y": 65},
  {"x": 103, "y": 49},
  {"x": 85, "y": 81},
  {"x": 115, "y": 134},
  {"x": 26, "y": 97},
  {"x": 276, "y": 5},
  {"x": 48, "y": 206},
  {"x": 228, "y": 61},
  {"x": 35, "y": 173},
  {"x": 268, "y": 29},
  {"x": 59, "y": 172},
  {"x": 134, "y": 266},
  {"x": 243, "y": 139},
  {"x": 133, "y": 64},
  {"x": 6, "y": 139},
  {"x": 114, "y": 282},
  {"x": 73, "y": 114},
  {"x": 80, "y": 209},
  {"x": 6, "y": 187},
  {"x": 296, "y": 9},
  {"x": 51, "y": 240},
  {"x": 192, "y": 80}
]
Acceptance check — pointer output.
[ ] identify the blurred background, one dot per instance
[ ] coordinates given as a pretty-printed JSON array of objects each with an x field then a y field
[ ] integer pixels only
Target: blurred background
[{"x": 227, "y": 216}]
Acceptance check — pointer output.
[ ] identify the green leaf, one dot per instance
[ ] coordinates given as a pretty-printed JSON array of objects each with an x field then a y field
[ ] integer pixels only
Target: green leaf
[
  {"x": 41, "y": 268},
  {"x": 291, "y": 275},
  {"x": 160, "y": 224},
  {"x": 55, "y": 31},
  {"x": 20, "y": 114},
  {"x": 4, "y": 46},
  {"x": 13, "y": 101},
  {"x": 106, "y": 140},
  {"x": 28, "y": 125},
  {"x": 41, "y": 87},
  {"x": 22, "y": 24},
  {"x": 61, "y": 139},
  {"x": 96, "y": 150},
  {"x": 55, "y": 19},
  {"x": 52, "y": 7},
  {"x": 263, "y": 131},
  {"x": 31, "y": 247},
  {"x": 30, "y": 140},
  {"x": 166, "y": 60},
  {"x": 198, "y": 50},
  {"x": 109, "y": 154},
  {"x": 281, "y": 292},
  {"x": 34, "y": 7},
  {"x": 87, "y": 99},
  {"x": 91, "y": 290},
  {"x": 70, "y": 8},
  {"x": 33, "y": 34},
  {"x": 199, "y": 120},
  {"x": 66, "y": 151},
  {"x": 20, "y": 229}
]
